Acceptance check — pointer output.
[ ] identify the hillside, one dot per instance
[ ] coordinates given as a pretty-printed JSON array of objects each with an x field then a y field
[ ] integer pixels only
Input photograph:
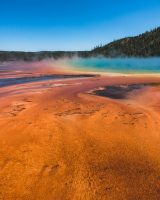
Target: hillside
[{"x": 144, "y": 45}]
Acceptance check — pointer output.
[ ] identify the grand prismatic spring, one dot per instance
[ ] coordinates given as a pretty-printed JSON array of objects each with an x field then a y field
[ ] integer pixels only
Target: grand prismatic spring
[
  {"x": 79, "y": 100},
  {"x": 80, "y": 129}
]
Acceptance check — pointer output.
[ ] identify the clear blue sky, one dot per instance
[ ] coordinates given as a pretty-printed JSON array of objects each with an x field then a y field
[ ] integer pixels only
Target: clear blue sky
[{"x": 35, "y": 25}]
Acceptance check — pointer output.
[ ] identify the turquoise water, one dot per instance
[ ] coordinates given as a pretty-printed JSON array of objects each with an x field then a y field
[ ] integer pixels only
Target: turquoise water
[{"x": 117, "y": 65}]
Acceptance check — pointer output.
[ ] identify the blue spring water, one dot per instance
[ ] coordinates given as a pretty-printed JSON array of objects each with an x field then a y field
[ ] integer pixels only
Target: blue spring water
[{"x": 117, "y": 65}]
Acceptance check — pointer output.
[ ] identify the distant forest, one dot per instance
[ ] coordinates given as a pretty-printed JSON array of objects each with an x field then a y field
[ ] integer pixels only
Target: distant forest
[{"x": 144, "y": 45}]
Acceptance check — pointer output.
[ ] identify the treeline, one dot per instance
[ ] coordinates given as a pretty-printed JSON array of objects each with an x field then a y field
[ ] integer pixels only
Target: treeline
[
  {"x": 144, "y": 45},
  {"x": 37, "y": 56}
]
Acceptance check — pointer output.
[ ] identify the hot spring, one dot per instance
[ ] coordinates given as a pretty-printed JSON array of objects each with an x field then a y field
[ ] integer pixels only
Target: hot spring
[{"x": 116, "y": 65}]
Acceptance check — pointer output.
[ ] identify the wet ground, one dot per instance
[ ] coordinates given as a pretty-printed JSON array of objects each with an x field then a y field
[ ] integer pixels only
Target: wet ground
[
  {"x": 121, "y": 91},
  {"x": 20, "y": 80}
]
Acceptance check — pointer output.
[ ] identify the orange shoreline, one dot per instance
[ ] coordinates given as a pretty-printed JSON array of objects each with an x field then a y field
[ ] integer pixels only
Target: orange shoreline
[{"x": 59, "y": 142}]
